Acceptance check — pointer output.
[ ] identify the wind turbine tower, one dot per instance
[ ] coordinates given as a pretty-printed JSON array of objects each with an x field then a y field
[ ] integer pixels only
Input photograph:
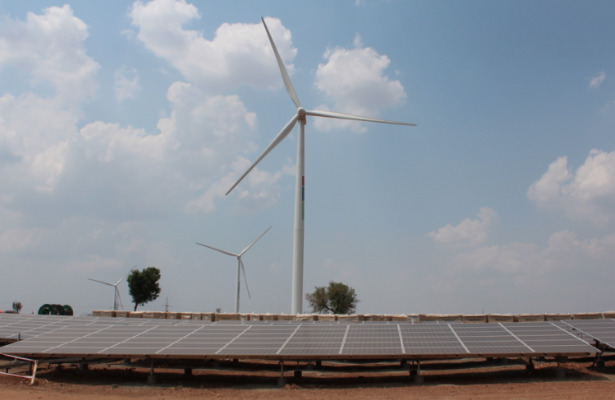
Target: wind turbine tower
[{"x": 300, "y": 116}]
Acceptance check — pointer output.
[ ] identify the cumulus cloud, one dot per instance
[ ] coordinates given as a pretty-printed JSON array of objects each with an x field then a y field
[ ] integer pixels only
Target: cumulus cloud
[
  {"x": 34, "y": 134},
  {"x": 126, "y": 83},
  {"x": 354, "y": 81},
  {"x": 186, "y": 162},
  {"x": 49, "y": 47},
  {"x": 587, "y": 194},
  {"x": 526, "y": 277},
  {"x": 596, "y": 81},
  {"x": 36, "y": 128},
  {"x": 239, "y": 54},
  {"x": 527, "y": 263},
  {"x": 469, "y": 232}
]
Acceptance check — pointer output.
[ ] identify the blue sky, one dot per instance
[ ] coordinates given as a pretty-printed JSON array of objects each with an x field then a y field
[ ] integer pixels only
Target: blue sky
[{"x": 123, "y": 124}]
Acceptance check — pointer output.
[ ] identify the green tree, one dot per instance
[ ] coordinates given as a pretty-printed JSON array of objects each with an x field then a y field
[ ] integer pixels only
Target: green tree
[
  {"x": 17, "y": 306},
  {"x": 337, "y": 298},
  {"x": 143, "y": 285}
]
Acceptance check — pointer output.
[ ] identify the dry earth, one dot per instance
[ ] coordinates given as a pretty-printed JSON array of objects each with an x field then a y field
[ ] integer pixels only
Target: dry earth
[{"x": 115, "y": 382}]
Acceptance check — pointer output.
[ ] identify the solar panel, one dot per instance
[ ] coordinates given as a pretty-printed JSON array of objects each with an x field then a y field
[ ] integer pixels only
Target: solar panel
[
  {"x": 431, "y": 339},
  {"x": 47, "y": 336},
  {"x": 490, "y": 339},
  {"x": 315, "y": 340},
  {"x": 600, "y": 330},
  {"x": 371, "y": 339},
  {"x": 207, "y": 340}
]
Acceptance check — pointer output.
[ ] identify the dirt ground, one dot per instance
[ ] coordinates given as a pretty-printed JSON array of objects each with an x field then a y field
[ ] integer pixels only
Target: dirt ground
[{"x": 119, "y": 382}]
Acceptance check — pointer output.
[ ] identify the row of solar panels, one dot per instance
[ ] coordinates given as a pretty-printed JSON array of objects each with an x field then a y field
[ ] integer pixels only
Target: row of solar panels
[{"x": 48, "y": 336}]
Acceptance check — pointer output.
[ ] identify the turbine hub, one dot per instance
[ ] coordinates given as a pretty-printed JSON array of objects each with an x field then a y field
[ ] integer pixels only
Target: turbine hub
[{"x": 301, "y": 114}]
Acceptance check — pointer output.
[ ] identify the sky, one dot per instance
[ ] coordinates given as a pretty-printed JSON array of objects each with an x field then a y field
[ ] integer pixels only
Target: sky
[{"x": 123, "y": 124}]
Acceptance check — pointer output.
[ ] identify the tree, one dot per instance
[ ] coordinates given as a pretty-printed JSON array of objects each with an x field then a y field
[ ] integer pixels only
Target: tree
[
  {"x": 17, "y": 306},
  {"x": 337, "y": 298},
  {"x": 143, "y": 285}
]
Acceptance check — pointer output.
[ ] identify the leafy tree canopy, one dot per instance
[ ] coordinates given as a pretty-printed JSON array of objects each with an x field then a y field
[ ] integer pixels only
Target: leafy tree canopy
[
  {"x": 143, "y": 285},
  {"x": 337, "y": 298}
]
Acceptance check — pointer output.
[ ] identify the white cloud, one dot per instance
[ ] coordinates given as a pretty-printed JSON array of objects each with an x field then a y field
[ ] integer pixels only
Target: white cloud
[
  {"x": 529, "y": 264},
  {"x": 34, "y": 134},
  {"x": 239, "y": 54},
  {"x": 354, "y": 80},
  {"x": 258, "y": 190},
  {"x": 549, "y": 187},
  {"x": 524, "y": 277},
  {"x": 48, "y": 166},
  {"x": 107, "y": 143},
  {"x": 126, "y": 84},
  {"x": 469, "y": 233},
  {"x": 585, "y": 195},
  {"x": 142, "y": 173},
  {"x": 50, "y": 48},
  {"x": 36, "y": 129},
  {"x": 596, "y": 81}
]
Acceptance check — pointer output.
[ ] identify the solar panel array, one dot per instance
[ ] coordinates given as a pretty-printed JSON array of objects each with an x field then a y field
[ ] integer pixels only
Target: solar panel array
[
  {"x": 602, "y": 331},
  {"x": 52, "y": 336}
]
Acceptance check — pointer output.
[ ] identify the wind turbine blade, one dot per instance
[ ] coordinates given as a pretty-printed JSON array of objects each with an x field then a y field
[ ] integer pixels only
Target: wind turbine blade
[
  {"x": 283, "y": 133},
  {"x": 122, "y": 278},
  {"x": 252, "y": 244},
  {"x": 220, "y": 250},
  {"x": 287, "y": 82},
  {"x": 333, "y": 114},
  {"x": 104, "y": 283},
  {"x": 245, "y": 278}
]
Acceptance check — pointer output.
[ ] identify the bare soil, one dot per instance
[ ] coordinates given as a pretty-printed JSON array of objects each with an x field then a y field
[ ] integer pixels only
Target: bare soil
[{"x": 260, "y": 381}]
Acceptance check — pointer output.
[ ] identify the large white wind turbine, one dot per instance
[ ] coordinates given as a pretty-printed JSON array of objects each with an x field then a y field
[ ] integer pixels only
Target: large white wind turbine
[
  {"x": 300, "y": 116},
  {"x": 240, "y": 267},
  {"x": 117, "y": 300}
]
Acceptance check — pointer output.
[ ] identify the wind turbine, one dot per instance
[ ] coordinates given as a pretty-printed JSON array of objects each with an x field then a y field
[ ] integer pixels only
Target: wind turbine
[
  {"x": 240, "y": 267},
  {"x": 117, "y": 300},
  {"x": 300, "y": 116}
]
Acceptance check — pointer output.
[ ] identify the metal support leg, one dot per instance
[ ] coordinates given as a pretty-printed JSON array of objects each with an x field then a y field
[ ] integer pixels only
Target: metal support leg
[
  {"x": 33, "y": 370},
  {"x": 560, "y": 373},
  {"x": 415, "y": 371},
  {"x": 529, "y": 367},
  {"x": 151, "y": 378},
  {"x": 418, "y": 378},
  {"x": 281, "y": 379}
]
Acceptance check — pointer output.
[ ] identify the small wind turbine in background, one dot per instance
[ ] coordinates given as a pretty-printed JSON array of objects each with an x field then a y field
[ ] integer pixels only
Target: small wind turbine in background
[
  {"x": 117, "y": 299},
  {"x": 240, "y": 266},
  {"x": 300, "y": 116}
]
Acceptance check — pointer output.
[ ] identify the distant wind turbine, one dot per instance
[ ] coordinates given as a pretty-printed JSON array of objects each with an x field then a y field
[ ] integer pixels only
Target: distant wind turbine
[
  {"x": 240, "y": 266},
  {"x": 117, "y": 300},
  {"x": 300, "y": 116}
]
